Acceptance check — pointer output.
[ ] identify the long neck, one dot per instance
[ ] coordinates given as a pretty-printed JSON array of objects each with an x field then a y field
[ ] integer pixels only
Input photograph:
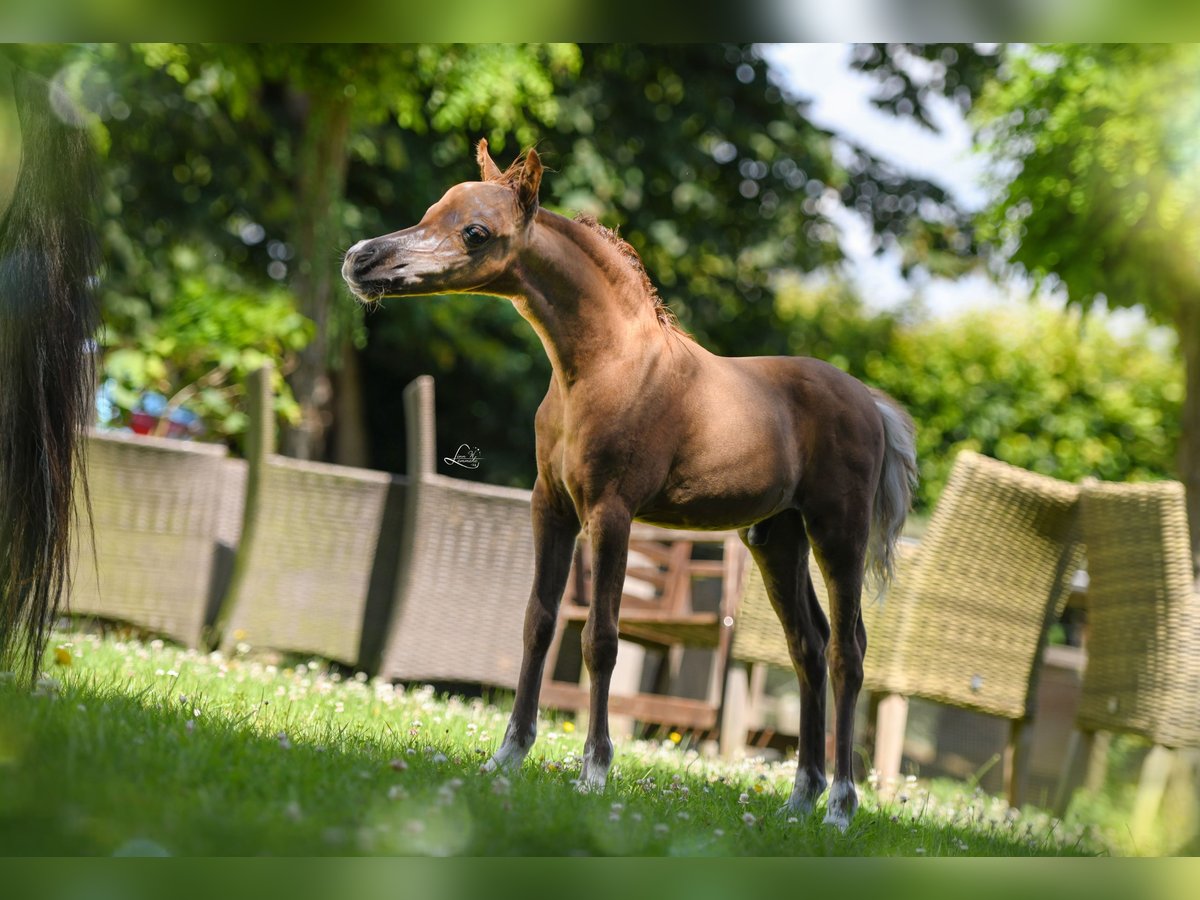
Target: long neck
[{"x": 586, "y": 303}]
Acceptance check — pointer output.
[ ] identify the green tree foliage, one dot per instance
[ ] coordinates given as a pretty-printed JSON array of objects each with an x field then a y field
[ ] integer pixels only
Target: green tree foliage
[
  {"x": 708, "y": 170},
  {"x": 910, "y": 75},
  {"x": 1042, "y": 390},
  {"x": 823, "y": 317},
  {"x": 911, "y": 78},
  {"x": 236, "y": 157},
  {"x": 188, "y": 307},
  {"x": 199, "y": 352},
  {"x": 1098, "y": 150}
]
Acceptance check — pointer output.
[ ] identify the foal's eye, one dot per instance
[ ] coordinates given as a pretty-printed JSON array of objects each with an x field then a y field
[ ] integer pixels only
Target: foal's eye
[{"x": 476, "y": 235}]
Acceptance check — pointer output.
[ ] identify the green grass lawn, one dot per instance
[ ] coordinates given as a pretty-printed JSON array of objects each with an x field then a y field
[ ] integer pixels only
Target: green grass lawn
[{"x": 142, "y": 748}]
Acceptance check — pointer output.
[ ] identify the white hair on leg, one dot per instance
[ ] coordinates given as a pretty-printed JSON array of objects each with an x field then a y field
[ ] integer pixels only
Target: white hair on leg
[
  {"x": 511, "y": 754},
  {"x": 842, "y": 804},
  {"x": 594, "y": 776},
  {"x": 808, "y": 787}
]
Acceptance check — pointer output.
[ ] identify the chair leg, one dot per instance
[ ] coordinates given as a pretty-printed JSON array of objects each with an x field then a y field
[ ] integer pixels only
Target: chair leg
[
  {"x": 1186, "y": 779},
  {"x": 1097, "y": 767},
  {"x": 758, "y": 694},
  {"x": 1151, "y": 787},
  {"x": 890, "y": 722},
  {"x": 626, "y": 681},
  {"x": 735, "y": 712},
  {"x": 1079, "y": 752},
  {"x": 1016, "y": 761}
]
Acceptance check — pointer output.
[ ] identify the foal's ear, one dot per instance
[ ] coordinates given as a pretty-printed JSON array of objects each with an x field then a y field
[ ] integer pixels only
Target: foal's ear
[
  {"x": 530, "y": 181},
  {"x": 488, "y": 170}
]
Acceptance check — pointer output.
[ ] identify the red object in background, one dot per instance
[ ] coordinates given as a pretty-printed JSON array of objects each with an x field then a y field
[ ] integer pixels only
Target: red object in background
[{"x": 144, "y": 423}]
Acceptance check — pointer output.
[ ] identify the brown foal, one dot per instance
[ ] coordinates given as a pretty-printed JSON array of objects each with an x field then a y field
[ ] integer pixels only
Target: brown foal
[{"x": 640, "y": 422}]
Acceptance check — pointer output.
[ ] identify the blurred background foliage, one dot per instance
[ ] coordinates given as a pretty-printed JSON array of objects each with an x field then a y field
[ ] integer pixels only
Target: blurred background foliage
[
  {"x": 1050, "y": 390},
  {"x": 199, "y": 351},
  {"x": 235, "y": 177}
]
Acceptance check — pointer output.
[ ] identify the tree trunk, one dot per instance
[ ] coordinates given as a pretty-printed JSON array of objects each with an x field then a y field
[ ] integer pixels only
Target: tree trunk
[
  {"x": 1189, "y": 446},
  {"x": 320, "y": 185},
  {"x": 350, "y": 443}
]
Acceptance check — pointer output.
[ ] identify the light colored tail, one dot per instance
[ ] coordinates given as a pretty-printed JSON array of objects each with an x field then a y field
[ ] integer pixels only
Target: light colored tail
[{"x": 893, "y": 497}]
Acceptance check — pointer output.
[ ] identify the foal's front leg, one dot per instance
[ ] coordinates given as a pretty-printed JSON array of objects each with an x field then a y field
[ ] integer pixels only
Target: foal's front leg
[
  {"x": 609, "y": 534},
  {"x": 554, "y": 532}
]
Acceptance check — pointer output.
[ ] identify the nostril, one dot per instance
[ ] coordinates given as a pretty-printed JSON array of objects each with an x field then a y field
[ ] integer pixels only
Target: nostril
[{"x": 364, "y": 258}]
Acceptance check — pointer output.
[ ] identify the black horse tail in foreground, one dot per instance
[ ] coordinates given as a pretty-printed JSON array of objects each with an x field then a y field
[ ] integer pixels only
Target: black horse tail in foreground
[{"x": 48, "y": 262}]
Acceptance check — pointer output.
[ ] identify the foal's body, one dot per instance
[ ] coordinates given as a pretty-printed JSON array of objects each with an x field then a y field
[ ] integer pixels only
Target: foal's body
[
  {"x": 640, "y": 422},
  {"x": 745, "y": 447}
]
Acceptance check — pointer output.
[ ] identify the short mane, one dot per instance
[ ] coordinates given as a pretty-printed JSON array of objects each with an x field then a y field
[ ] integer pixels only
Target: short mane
[{"x": 666, "y": 317}]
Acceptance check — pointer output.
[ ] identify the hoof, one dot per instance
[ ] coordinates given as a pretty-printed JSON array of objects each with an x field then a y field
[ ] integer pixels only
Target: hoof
[
  {"x": 593, "y": 780},
  {"x": 809, "y": 786},
  {"x": 841, "y": 805},
  {"x": 594, "y": 776},
  {"x": 507, "y": 759},
  {"x": 583, "y": 786}
]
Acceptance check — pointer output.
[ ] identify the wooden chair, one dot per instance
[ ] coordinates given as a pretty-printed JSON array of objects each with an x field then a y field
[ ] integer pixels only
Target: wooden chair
[
  {"x": 660, "y": 610},
  {"x": 965, "y": 622},
  {"x": 1143, "y": 649},
  {"x": 155, "y": 517}
]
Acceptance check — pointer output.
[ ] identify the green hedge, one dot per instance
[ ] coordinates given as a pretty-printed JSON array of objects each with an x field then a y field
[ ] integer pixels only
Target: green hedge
[
  {"x": 1049, "y": 391},
  {"x": 1052, "y": 391}
]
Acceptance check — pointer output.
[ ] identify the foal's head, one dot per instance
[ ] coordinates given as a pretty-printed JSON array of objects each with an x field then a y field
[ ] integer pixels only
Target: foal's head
[{"x": 464, "y": 243}]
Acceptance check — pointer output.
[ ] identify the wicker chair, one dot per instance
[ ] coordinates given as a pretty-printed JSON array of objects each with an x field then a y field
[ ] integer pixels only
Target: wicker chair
[
  {"x": 234, "y": 473},
  {"x": 994, "y": 569},
  {"x": 315, "y": 564},
  {"x": 1143, "y": 666},
  {"x": 965, "y": 622},
  {"x": 466, "y": 566},
  {"x": 155, "y": 517}
]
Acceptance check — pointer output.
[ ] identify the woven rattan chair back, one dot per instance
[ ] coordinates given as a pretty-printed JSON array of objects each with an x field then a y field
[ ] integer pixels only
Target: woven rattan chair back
[
  {"x": 155, "y": 517},
  {"x": 321, "y": 532},
  {"x": 1143, "y": 669},
  {"x": 466, "y": 566},
  {"x": 974, "y": 607},
  {"x": 315, "y": 565}
]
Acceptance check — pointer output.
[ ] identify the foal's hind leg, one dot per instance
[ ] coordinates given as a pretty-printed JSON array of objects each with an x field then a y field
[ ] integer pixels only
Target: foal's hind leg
[
  {"x": 840, "y": 543},
  {"x": 783, "y": 560},
  {"x": 554, "y": 532}
]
